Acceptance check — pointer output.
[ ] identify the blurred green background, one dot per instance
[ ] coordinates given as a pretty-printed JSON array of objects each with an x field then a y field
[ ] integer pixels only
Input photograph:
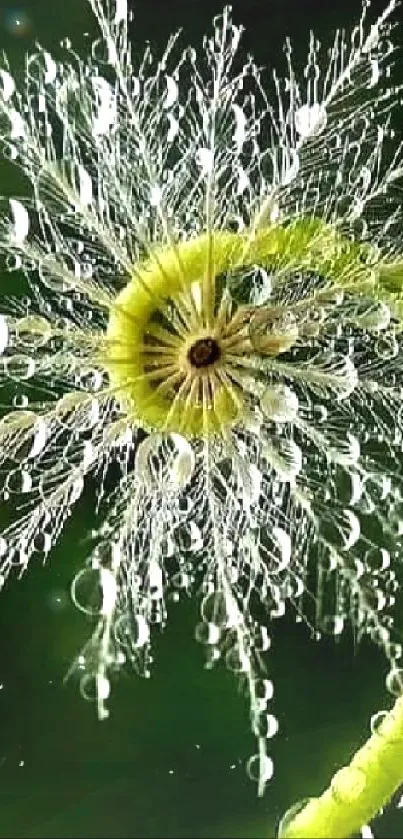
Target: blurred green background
[{"x": 170, "y": 761}]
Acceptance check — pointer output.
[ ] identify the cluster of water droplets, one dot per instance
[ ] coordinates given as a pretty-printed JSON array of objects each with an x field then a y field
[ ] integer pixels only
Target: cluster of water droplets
[{"x": 302, "y": 503}]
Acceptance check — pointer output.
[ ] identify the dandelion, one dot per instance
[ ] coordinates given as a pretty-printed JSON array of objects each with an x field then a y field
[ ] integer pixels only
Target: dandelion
[{"x": 211, "y": 342}]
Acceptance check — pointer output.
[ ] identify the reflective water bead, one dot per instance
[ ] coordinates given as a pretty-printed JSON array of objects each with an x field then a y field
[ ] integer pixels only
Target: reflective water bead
[
  {"x": 394, "y": 681},
  {"x": 310, "y": 120},
  {"x": 165, "y": 460},
  {"x": 32, "y": 331},
  {"x": 207, "y": 632},
  {"x": 86, "y": 591},
  {"x": 279, "y": 403},
  {"x": 265, "y": 725},
  {"x": 260, "y": 768},
  {"x": 19, "y": 367}
]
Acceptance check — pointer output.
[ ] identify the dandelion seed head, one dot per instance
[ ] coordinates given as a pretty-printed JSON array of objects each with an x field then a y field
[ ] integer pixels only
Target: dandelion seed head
[{"x": 212, "y": 332}]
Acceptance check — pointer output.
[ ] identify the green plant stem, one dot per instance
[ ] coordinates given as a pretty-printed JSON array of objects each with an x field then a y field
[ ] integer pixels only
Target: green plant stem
[{"x": 357, "y": 792}]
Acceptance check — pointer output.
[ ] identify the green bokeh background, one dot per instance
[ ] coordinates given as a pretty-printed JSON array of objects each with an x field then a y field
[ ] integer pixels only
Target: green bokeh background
[{"x": 170, "y": 760}]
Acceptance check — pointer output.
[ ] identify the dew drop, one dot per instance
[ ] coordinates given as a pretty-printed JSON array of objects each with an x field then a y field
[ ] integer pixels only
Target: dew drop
[
  {"x": 19, "y": 367},
  {"x": 347, "y": 452},
  {"x": 59, "y": 282},
  {"x": 377, "y": 559},
  {"x": 165, "y": 461},
  {"x": 375, "y": 318},
  {"x": 260, "y": 768},
  {"x": 386, "y": 347},
  {"x": 86, "y": 591},
  {"x": 205, "y": 159},
  {"x": 279, "y": 404},
  {"x": 32, "y": 331},
  {"x": 77, "y": 411},
  {"x": 310, "y": 120},
  {"x": 272, "y": 335},
  {"x": 260, "y": 638},
  {"x": 207, "y": 632},
  {"x": 23, "y": 433},
  {"x": 214, "y": 609},
  {"x": 332, "y": 624},
  {"x": 342, "y": 530},
  {"x": 263, "y": 689},
  {"x": 283, "y": 543},
  {"x": 18, "y": 481},
  {"x": 394, "y": 681},
  {"x": 94, "y": 687},
  {"x": 290, "y": 815},
  {"x": 264, "y": 725},
  {"x": 155, "y": 580},
  {"x": 42, "y": 542},
  {"x": 377, "y": 720},
  {"x": 133, "y": 632},
  {"x": 237, "y": 661}
]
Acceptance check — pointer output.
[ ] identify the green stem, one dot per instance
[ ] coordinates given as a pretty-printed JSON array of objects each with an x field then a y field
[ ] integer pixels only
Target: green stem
[{"x": 357, "y": 792}]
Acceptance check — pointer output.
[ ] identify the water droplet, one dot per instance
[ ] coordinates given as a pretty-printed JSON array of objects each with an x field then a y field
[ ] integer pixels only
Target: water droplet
[
  {"x": 347, "y": 452},
  {"x": 264, "y": 725},
  {"x": 375, "y": 318},
  {"x": 132, "y": 631},
  {"x": 94, "y": 687},
  {"x": 263, "y": 689},
  {"x": 386, "y": 346},
  {"x": 18, "y": 481},
  {"x": 23, "y": 434},
  {"x": 260, "y": 638},
  {"x": 283, "y": 544},
  {"x": 19, "y": 367},
  {"x": 205, "y": 159},
  {"x": 290, "y": 815},
  {"x": 260, "y": 768},
  {"x": 55, "y": 277},
  {"x": 86, "y": 591},
  {"x": 377, "y": 720},
  {"x": 215, "y": 609},
  {"x": 165, "y": 461},
  {"x": 207, "y": 632},
  {"x": 377, "y": 559},
  {"x": 310, "y": 120},
  {"x": 332, "y": 624},
  {"x": 394, "y": 681},
  {"x": 32, "y": 331},
  {"x": 272, "y": 333},
  {"x": 342, "y": 530},
  {"x": 155, "y": 580},
  {"x": 42, "y": 542},
  {"x": 77, "y": 411},
  {"x": 279, "y": 403},
  {"x": 237, "y": 661}
]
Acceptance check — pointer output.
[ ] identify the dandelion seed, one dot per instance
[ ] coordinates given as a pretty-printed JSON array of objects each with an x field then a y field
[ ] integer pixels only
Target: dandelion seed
[{"x": 215, "y": 308}]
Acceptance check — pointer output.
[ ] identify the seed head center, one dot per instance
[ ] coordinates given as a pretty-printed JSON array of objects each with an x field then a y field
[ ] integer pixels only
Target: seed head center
[{"x": 204, "y": 352}]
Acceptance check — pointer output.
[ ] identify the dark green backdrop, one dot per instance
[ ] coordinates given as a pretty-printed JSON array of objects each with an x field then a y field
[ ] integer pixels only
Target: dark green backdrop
[{"x": 170, "y": 761}]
